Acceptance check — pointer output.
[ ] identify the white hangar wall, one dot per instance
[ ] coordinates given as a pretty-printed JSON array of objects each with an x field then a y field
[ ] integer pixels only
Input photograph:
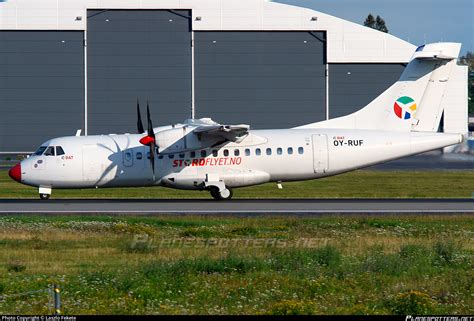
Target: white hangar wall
[{"x": 240, "y": 61}]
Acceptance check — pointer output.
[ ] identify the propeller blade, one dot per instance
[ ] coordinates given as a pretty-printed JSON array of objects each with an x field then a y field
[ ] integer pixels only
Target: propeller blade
[
  {"x": 151, "y": 135},
  {"x": 139, "y": 120},
  {"x": 152, "y": 158}
]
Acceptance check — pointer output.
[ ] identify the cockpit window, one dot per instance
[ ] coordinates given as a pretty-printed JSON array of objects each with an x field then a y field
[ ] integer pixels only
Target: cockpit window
[
  {"x": 40, "y": 150},
  {"x": 49, "y": 151},
  {"x": 59, "y": 151}
]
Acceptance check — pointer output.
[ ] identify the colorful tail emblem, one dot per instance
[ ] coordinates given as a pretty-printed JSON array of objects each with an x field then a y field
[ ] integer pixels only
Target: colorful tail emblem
[{"x": 404, "y": 107}]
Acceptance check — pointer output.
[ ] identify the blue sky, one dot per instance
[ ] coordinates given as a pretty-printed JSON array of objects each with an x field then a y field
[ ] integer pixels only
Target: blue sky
[{"x": 415, "y": 21}]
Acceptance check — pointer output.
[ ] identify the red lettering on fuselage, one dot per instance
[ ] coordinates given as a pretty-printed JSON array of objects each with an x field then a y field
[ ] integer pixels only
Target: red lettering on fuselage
[{"x": 209, "y": 161}]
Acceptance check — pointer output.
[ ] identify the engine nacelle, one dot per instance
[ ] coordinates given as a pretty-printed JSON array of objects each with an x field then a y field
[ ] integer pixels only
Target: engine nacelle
[{"x": 230, "y": 177}]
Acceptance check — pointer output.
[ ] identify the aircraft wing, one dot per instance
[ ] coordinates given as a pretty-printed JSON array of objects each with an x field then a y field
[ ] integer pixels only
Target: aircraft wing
[{"x": 234, "y": 133}]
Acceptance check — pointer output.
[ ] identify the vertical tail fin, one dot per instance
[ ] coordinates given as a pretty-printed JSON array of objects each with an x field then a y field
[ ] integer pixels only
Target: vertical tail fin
[{"x": 414, "y": 102}]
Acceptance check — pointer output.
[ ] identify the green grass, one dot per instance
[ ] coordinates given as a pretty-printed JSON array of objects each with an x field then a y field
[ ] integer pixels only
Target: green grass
[
  {"x": 354, "y": 264},
  {"x": 358, "y": 184}
]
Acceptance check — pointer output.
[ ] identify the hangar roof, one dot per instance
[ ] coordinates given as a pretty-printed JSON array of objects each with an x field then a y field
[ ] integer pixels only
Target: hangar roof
[{"x": 347, "y": 42}]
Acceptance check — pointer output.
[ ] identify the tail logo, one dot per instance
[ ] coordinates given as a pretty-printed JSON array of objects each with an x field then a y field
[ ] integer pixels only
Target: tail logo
[{"x": 404, "y": 107}]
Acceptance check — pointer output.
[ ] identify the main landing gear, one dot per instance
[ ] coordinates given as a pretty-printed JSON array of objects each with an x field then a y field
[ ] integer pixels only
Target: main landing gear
[
  {"x": 220, "y": 195},
  {"x": 217, "y": 187}
]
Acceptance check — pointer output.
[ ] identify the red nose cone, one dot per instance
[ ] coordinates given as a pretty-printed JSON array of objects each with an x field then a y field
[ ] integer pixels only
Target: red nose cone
[
  {"x": 15, "y": 172},
  {"x": 147, "y": 140}
]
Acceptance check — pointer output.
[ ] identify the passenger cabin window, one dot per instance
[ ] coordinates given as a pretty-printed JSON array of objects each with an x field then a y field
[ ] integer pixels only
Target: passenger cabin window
[
  {"x": 269, "y": 151},
  {"x": 290, "y": 150},
  {"x": 258, "y": 152},
  {"x": 49, "y": 151},
  {"x": 300, "y": 150},
  {"x": 236, "y": 152},
  {"x": 59, "y": 151},
  {"x": 247, "y": 152},
  {"x": 279, "y": 151},
  {"x": 160, "y": 156},
  {"x": 40, "y": 150},
  {"x": 171, "y": 156},
  {"x": 192, "y": 154},
  {"x": 203, "y": 153},
  {"x": 181, "y": 155},
  {"x": 139, "y": 155},
  {"x": 226, "y": 152},
  {"x": 214, "y": 153}
]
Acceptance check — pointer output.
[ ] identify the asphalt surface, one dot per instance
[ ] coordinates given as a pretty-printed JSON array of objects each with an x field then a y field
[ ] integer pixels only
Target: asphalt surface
[{"x": 244, "y": 207}]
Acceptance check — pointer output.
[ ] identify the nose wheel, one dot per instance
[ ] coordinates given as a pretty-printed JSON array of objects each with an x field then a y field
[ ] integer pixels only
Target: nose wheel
[
  {"x": 220, "y": 195},
  {"x": 45, "y": 192},
  {"x": 44, "y": 196}
]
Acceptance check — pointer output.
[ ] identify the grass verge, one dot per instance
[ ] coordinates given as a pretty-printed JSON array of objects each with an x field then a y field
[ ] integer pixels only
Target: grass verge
[
  {"x": 358, "y": 184},
  {"x": 222, "y": 265}
]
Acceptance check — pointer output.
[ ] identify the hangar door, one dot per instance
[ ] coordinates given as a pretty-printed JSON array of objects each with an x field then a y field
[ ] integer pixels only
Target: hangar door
[
  {"x": 132, "y": 54},
  {"x": 353, "y": 86},
  {"x": 41, "y": 87},
  {"x": 268, "y": 79}
]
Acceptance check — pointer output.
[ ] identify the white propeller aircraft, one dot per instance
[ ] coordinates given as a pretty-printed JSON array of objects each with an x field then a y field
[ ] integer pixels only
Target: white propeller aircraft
[{"x": 203, "y": 155}]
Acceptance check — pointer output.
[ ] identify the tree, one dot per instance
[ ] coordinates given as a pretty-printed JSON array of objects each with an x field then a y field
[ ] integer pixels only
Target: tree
[
  {"x": 369, "y": 21},
  {"x": 378, "y": 23},
  {"x": 468, "y": 60}
]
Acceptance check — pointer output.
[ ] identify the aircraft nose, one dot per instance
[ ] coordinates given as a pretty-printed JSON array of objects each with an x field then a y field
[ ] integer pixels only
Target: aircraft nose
[{"x": 15, "y": 172}]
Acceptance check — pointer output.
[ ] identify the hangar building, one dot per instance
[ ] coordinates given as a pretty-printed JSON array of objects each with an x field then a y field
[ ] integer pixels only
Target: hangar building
[{"x": 82, "y": 64}]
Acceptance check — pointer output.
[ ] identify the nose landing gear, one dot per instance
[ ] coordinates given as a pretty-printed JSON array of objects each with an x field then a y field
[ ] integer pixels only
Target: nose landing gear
[
  {"x": 44, "y": 192},
  {"x": 45, "y": 196}
]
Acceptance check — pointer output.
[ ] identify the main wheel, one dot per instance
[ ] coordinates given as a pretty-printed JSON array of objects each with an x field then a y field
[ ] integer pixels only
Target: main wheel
[
  {"x": 45, "y": 196},
  {"x": 214, "y": 192},
  {"x": 225, "y": 194}
]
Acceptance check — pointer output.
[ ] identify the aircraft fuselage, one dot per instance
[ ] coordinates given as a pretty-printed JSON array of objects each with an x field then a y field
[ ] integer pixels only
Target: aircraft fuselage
[{"x": 263, "y": 156}]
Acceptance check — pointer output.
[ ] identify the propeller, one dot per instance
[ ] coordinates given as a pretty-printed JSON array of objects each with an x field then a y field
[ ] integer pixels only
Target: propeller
[
  {"x": 149, "y": 139},
  {"x": 139, "y": 121}
]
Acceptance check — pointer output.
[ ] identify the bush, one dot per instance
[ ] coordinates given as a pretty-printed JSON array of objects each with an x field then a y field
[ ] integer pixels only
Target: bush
[
  {"x": 413, "y": 252},
  {"x": 226, "y": 265},
  {"x": 445, "y": 252},
  {"x": 327, "y": 255},
  {"x": 413, "y": 302},
  {"x": 379, "y": 262},
  {"x": 298, "y": 259},
  {"x": 207, "y": 265},
  {"x": 243, "y": 230},
  {"x": 291, "y": 307},
  {"x": 16, "y": 267}
]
